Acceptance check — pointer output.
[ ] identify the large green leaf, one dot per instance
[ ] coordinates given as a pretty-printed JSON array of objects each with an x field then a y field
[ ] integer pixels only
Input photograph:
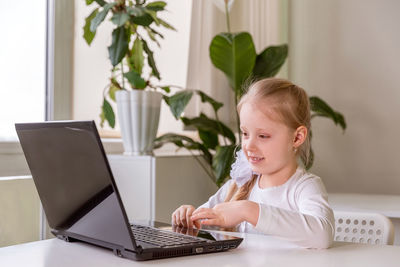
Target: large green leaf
[
  {"x": 270, "y": 61},
  {"x": 222, "y": 162},
  {"x": 210, "y": 139},
  {"x": 235, "y": 55},
  {"x": 183, "y": 141},
  {"x": 139, "y": 16},
  {"x": 178, "y": 102},
  {"x": 100, "y": 16},
  {"x": 206, "y": 98},
  {"x": 88, "y": 35},
  {"x": 119, "y": 46},
  {"x": 321, "y": 108},
  {"x": 135, "y": 80},
  {"x": 156, "y": 5},
  {"x": 137, "y": 56},
  {"x": 150, "y": 60},
  {"x": 120, "y": 18},
  {"x": 204, "y": 123},
  {"x": 108, "y": 113}
]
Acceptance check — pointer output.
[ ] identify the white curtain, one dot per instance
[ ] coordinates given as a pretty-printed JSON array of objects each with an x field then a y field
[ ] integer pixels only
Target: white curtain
[{"x": 266, "y": 20}]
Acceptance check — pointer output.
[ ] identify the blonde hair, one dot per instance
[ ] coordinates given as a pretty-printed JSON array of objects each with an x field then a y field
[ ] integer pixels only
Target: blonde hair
[{"x": 291, "y": 105}]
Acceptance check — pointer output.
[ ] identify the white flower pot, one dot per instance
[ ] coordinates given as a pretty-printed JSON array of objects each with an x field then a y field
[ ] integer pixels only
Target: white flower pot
[{"x": 138, "y": 114}]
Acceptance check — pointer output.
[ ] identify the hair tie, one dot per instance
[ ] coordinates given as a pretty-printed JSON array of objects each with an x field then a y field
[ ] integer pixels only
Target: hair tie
[{"x": 241, "y": 171}]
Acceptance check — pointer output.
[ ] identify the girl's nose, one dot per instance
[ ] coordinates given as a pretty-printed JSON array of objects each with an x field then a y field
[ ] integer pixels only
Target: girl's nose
[{"x": 250, "y": 144}]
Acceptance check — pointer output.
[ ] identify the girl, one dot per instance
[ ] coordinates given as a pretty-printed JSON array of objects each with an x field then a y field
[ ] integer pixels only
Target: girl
[{"x": 269, "y": 193}]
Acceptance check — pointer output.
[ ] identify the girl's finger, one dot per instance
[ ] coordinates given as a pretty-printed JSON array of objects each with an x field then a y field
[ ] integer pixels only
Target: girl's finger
[
  {"x": 188, "y": 219},
  {"x": 197, "y": 223},
  {"x": 200, "y": 210},
  {"x": 203, "y": 215},
  {"x": 210, "y": 222}
]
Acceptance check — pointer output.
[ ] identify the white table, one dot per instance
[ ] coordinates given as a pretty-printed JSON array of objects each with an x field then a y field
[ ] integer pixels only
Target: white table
[
  {"x": 388, "y": 205},
  {"x": 256, "y": 250}
]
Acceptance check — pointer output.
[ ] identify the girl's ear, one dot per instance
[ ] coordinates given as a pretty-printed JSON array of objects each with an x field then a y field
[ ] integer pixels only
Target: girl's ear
[{"x": 300, "y": 136}]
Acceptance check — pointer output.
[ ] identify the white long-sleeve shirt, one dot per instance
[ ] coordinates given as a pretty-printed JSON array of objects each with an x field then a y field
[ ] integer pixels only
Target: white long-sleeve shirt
[{"x": 297, "y": 210}]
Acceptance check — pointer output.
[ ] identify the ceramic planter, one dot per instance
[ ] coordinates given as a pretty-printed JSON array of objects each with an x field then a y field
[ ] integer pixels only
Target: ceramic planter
[{"x": 138, "y": 114}]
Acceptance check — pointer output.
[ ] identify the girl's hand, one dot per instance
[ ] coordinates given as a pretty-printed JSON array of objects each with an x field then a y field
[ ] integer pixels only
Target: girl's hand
[
  {"x": 181, "y": 217},
  {"x": 227, "y": 214}
]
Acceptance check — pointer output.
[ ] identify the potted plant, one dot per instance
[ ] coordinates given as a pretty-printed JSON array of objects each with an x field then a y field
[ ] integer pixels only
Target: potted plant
[
  {"x": 235, "y": 55},
  {"x": 134, "y": 74}
]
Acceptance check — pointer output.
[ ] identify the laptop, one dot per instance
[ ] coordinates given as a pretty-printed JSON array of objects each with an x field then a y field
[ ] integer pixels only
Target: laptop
[{"x": 81, "y": 199}]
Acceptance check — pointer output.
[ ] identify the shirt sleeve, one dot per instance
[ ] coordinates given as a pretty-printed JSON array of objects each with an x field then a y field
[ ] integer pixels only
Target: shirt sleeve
[
  {"x": 312, "y": 226},
  {"x": 218, "y": 197}
]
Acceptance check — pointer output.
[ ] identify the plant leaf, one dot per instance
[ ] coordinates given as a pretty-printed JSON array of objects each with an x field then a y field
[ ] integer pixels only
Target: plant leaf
[
  {"x": 206, "y": 98},
  {"x": 235, "y": 55},
  {"x": 153, "y": 15},
  {"x": 178, "y": 102},
  {"x": 139, "y": 16},
  {"x": 119, "y": 45},
  {"x": 88, "y": 35},
  {"x": 166, "y": 89},
  {"x": 135, "y": 80},
  {"x": 322, "y": 109},
  {"x": 100, "y": 16},
  {"x": 270, "y": 61},
  {"x": 150, "y": 60},
  {"x": 112, "y": 90},
  {"x": 108, "y": 113},
  {"x": 183, "y": 141},
  {"x": 100, "y": 2},
  {"x": 166, "y": 24},
  {"x": 120, "y": 18},
  {"x": 156, "y": 6},
  {"x": 222, "y": 162},
  {"x": 210, "y": 140},
  {"x": 206, "y": 124},
  {"x": 137, "y": 55}
]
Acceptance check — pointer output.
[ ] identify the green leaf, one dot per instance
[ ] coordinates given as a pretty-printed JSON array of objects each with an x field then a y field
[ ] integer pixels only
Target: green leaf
[
  {"x": 108, "y": 113},
  {"x": 222, "y": 162},
  {"x": 137, "y": 55},
  {"x": 100, "y": 2},
  {"x": 210, "y": 140},
  {"x": 322, "y": 109},
  {"x": 185, "y": 142},
  {"x": 150, "y": 60},
  {"x": 153, "y": 15},
  {"x": 120, "y": 18},
  {"x": 111, "y": 91},
  {"x": 166, "y": 24},
  {"x": 88, "y": 35},
  {"x": 270, "y": 61},
  {"x": 178, "y": 102},
  {"x": 135, "y": 80},
  {"x": 166, "y": 89},
  {"x": 235, "y": 55},
  {"x": 100, "y": 16},
  {"x": 206, "y": 98},
  {"x": 204, "y": 123},
  {"x": 119, "y": 45},
  {"x": 139, "y": 16},
  {"x": 156, "y": 6},
  {"x": 152, "y": 36}
]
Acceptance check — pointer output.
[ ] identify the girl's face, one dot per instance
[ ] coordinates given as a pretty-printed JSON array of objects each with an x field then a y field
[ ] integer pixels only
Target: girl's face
[{"x": 267, "y": 143}]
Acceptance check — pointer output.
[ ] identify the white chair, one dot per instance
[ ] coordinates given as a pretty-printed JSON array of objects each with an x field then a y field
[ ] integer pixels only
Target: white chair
[{"x": 357, "y": 227}]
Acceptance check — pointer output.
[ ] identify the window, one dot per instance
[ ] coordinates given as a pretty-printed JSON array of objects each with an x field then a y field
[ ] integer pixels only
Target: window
[{"x": 22, "y": 64}]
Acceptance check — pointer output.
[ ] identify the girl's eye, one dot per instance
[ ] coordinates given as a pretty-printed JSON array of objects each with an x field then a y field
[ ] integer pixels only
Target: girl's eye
[
  {"x": 244, "y": 134},
  {"x": 263, "y": 136}
]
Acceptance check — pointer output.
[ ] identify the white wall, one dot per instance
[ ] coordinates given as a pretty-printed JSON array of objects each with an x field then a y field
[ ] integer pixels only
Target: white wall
[
  {"x": 347, "y": 52},
  {"x": 92, "y": 66}
]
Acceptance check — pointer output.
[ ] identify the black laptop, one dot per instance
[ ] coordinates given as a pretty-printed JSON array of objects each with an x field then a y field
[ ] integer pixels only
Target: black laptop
[{"x": 81, "y": 199}]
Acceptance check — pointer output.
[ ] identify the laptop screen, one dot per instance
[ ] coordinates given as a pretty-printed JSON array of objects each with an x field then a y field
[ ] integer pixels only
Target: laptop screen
[{"x": 74, "y": 181}]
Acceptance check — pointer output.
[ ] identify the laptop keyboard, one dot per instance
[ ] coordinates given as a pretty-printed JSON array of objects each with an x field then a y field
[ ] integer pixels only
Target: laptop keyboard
[{"x": 163, "y": 238}]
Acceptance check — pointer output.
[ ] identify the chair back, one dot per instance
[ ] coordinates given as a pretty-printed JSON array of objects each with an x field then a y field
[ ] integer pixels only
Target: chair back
[{"x": 368, "y": 228}]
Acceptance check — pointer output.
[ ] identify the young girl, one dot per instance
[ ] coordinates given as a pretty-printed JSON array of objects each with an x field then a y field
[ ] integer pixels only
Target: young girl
[{"x": 269, "y": 192}]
